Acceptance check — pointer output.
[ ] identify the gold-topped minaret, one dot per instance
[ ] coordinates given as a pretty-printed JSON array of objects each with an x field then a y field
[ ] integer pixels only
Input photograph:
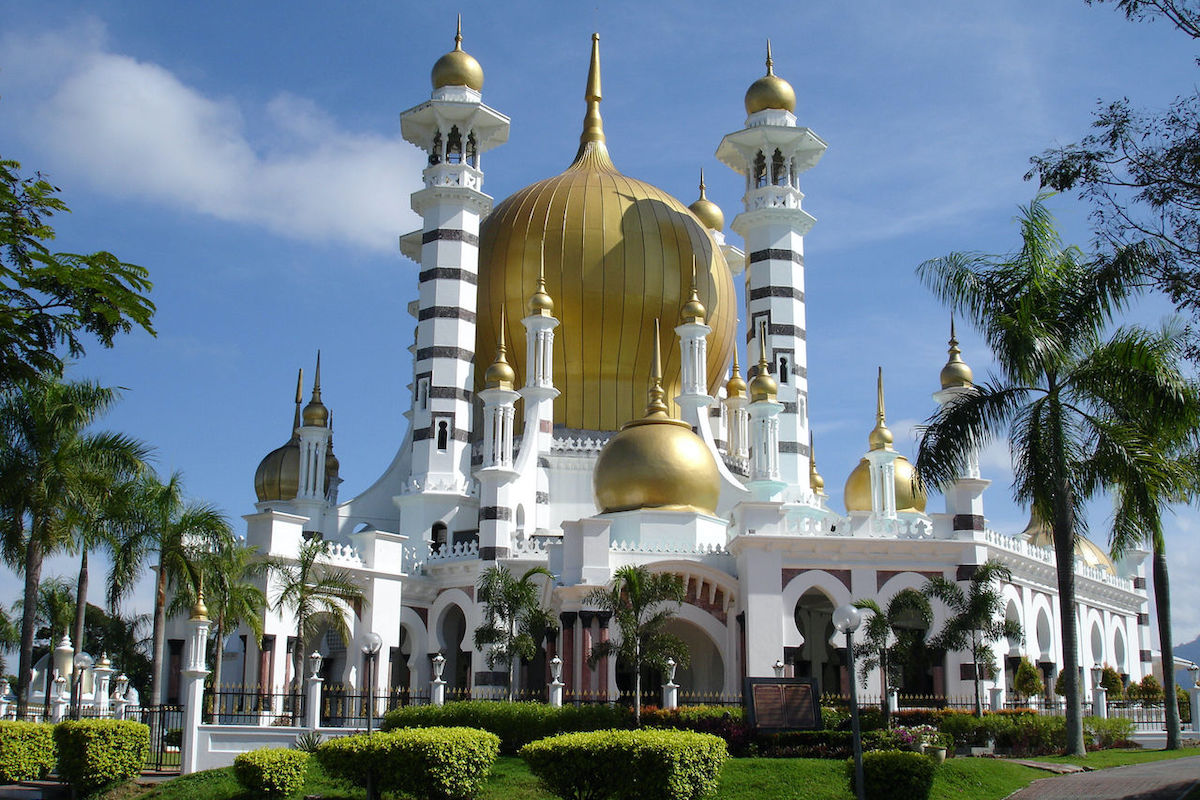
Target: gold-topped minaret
[
  {"x": 956, "y": 373},
  {"x": 881, "y": 437},
  {"x": 499, "y": 374},
  {"x": 762, "y": 385},
  {"x": 593, "y": 125},
  {"x": 735, "y": 386},
  {"x": 540, "y": 302},
  {"x": 708, "y": 212},
  {"x": 278, "y": 474},
  {"x": 693, "y": 310},
  {"x": 457, "y": 68},
  {"x": 315, "y": 413},
  {"x": 815, "y": 481},
  {"x": 770, "y": 91}
]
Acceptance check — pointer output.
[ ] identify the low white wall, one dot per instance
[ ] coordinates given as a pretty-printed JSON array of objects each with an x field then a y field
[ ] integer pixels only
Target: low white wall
[{"x": 220, "y": 744}]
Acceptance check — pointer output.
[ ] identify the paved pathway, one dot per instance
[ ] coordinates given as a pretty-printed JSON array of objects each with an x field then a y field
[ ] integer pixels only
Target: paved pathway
[{"x": 1157, "y": 780}]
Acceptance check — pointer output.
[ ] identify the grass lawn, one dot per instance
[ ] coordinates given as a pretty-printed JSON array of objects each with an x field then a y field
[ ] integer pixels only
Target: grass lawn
[
  {"x": 1103, "y": 759},
  {"x": 741, "y": 779}
]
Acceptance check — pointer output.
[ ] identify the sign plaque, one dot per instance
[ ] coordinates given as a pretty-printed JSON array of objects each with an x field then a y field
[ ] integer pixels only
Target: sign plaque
[{"x": 782, "y": 704}]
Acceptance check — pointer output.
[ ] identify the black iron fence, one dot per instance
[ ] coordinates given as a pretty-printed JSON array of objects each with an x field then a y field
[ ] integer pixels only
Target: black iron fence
[
  {"x": 166, "y": 734},
  {"x": 252, "y": 707}
]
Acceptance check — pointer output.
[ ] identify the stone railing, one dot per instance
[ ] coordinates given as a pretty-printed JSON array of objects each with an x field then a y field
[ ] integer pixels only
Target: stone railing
[
  {"x": 670, "y": 548},
  {"x": 340, "y": 553},
  {"x": 456, "y": 552},
  {"x": 1019, "y": 546},
  {"x": 529, "y": 548}
]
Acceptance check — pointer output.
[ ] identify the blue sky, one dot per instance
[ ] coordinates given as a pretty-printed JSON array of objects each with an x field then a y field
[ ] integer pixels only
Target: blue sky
[{"x": 249, "y": 155}]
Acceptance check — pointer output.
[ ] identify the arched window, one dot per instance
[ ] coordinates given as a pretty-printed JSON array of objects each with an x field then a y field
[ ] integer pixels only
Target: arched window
[
  {"x": 423, "y": 394},
  {"x": 795, "y": 176},
  {"x": 760, "y": 170},
  {"x": 783, "y": 370},
  {"x": 472, "y": 150},
  {"x": 443, "y": 435},
  {"x": 437, "y": 537},
  {"x": 779, "y": 174},
  {"x": 435, "y": 153},
  {"x": 520, "y": 519},
  {"x": 454, "y": 151}
]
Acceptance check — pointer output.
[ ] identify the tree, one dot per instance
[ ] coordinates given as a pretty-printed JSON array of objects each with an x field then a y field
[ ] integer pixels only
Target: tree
[
  {"x": 977, "y": 618},
  {"x": 514, "y": 619},
  {"x": 1027, "y": 682},
  {"x": 1167, "y": 471},
  {"x": 310, "y": 590},
  {"x": 1138, "y": 171},
  {"x": 642, "y": 603},
  {"x": 48, "y": 462},
  {"x": 908, "y": 616},
  {"x": 50, "y": 299},
  {"x": 177, "y": 532},
  {"x": 52, "y": 613},
  {"x": 230, "y": 575},
  {"x": 1061, "y": 395},
  {"x": 1110, "y": 679},
  {"x": 10, "y": 637}
]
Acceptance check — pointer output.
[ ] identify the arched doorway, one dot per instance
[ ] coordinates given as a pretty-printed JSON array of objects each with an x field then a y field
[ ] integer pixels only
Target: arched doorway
[
  {"x": 452, "y": 632},
  {"x": 816, "y": 658},
  {"x": 704, "y": 677}
]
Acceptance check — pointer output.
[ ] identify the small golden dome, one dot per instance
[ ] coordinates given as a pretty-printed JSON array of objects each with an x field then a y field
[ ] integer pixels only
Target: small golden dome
[
  {"x": 656, "y": 461},
  {"x": 457, "y": 68},
  {"x": 499, "y": 374},
  {"x": 278, "y": 474},
  {"x": 735, "y": 386},
  {"x": 693, "y": 310},
  {"x": 316, "y": 415},
  {"x": 541, "y": 304},
  {"x": 708, "y": 212},
  {"x": 770, "y": 91},
  {"x": 956, "y": 373},
  {"x": 199, "y": 610},
  {"x": 1040, "y": 534},
  {"x": 815, "y": 481},
  {"x": 762, "y": 385},
  {"x": 880, "y": 437},
  {"x": 909, "y": 496}
]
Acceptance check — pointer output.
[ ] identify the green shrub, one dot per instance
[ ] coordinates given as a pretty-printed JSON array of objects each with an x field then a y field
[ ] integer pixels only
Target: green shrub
[
  {"x": 1148, "y": 691},
  {"x": 823, "y": 744},
  {"x": 1027, "y": 681},
  {"x": 97, "y": 753},
  {"x": 909, "y": 717},
  {"x": 1106, "y": 733},
  {"x": 965, "y": 729},
  {"x": 1185, "y": 704},
  {"x": 1110, "y": 679},
  {"x": 516, "y": 724},
  {"x": 728, "y": 722},
  {"x": 271, "y": 772},
  {"x": 1030, "y": 734},
  {"x": 26, "y": 751},
  {"x": 432, "y": 763},
  {"x": 628, "y": 765},
  {"x": 894, "y": 774}
]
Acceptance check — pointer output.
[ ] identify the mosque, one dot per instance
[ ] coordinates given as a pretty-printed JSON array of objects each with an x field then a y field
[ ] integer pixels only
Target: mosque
[{"x": 553, "y": 423}]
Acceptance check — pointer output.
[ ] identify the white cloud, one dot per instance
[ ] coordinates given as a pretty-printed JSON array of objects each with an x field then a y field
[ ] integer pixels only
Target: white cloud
[{"x": 134, "y": 129}]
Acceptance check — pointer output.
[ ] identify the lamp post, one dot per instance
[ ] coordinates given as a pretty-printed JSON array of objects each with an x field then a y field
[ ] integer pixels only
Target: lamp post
[
  {"x": 847, "y": 619},
  {"x": 778, "y": 667},
  {"x": 371, "y": 644},
  {"x": 82, "y": 661},
  {"x": 1099, "y": 693}
]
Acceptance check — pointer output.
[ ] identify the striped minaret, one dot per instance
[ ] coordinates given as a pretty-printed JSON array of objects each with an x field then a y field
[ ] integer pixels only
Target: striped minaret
[
  {"x": 771, "y": 152},
  {"x": 454, "y": 127}
]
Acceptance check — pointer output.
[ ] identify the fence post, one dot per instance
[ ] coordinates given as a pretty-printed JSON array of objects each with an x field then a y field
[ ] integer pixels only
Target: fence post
[
  {"x": 100, "y": 675},
  {"x": 894, "y": 700},
  {"x": 670, "y": 689},
  {"x": 118, "y": 698},
  {"x": 556, "y": 685},
  {"x": 1195, "y": 694},
  {"x": 312, "y": 703},
  {"x": 996, "y": 698},
  {"x": 437, "y": 690},
  {"x": 1100, "y": 702},
  {"x": 194, "y": 672}
]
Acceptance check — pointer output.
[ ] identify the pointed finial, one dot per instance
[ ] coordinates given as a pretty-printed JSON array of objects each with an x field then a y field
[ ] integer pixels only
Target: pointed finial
[
  {"x": 956, "y": 373},
  {"x": 881, "y": 438},
  {"x": 199, "y": 610},
  {"x": 541, "y": 304},
  {"x": 458, "y": 35},
  {"x": 656, "y": 407},
  {"x": 503, "y": 319},
  {"x": 702, "y": 186},
  {"x": 317, "y": 379},
  {"x": 693, "y": 310},
  {"x": 770, "y": 61},
  {"x": 299, "y": 400},
  {"x": 315, "y": 413},
  {"x": 815, "y": 481},
  {"x": 500, "y": 374},
  {"x": 593, "y": 125},
  {"x": 763, "y": 386}
]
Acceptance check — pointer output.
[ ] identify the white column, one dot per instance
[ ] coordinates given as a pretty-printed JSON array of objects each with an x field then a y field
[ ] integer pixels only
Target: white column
[
  {"x": 192, "y": 692},
  {"x": 100, "y": 675},
  {"x": 765, "y": 479},
  {"x": 312, "y": 702}
]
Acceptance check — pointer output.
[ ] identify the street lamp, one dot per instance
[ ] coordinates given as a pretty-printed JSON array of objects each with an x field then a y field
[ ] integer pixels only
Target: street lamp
[
  {"x": 82, "y": 662},
  {"x": 371, "y": 644},
  {"x": 846, "y": 619},
  {"x": 1194, "y": 671},
  {"x": 314, "y": 664}
]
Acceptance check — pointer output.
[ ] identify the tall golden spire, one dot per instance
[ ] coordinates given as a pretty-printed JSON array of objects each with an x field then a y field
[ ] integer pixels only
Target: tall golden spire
[
  {"x": 763, "y": 386},
  {"x": 770, "y": 61},
  {"x": 656, "y": 407},
  {"x": 541, "y": 304},
  {"x": 500, "y": 374},
  {"x": 591, "y": 141},
  {"x": 735, "y": 386},
  {"x": 693, "y": 310},
  {"x": 315, "y": 413},
  {"x": 956, "y": 373},
  {"x": 815, "y": 481},
  {"x": 708, "y": 212},
  {"x": 881, "y": 438},
  {"x": 299, "y": 400},
  {"x": 458, "y": 40}
]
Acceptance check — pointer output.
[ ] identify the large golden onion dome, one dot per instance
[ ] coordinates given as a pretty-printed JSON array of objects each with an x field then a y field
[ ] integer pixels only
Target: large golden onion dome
[
  {"x": 656, "y": 461},
  {"x": 857, "y": 493},
  {"x": 457, "y": 68},
  {"x": 956, "y": 373},
  {"x": 770, "y": 91},
  {"x": 1040, "y": 534},
  {"x": 278, "y": 474},
  {"x": 708, "y": 212},
  {"x": 617, "y": 255}
]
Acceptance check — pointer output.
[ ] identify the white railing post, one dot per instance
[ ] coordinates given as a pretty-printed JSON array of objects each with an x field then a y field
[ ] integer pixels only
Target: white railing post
[
  {"x": 119, "y": 701},
  {"x": 996, "y": 698},
  {"x": 312, "y": 703},
  {"x": 195, "y": 670},
  {"x": 58, "y": 708},
  {"x": 556, "y": 685},
  {"x": 670, "y": 689},
  {"x": 100, "y": 675},
  {"x": 1100, "y": 702},
  {"x": 437, "y": 688}
]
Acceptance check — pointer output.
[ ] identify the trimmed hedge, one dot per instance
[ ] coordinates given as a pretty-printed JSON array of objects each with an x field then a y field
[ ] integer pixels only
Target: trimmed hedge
[
  {"x": 728, "y": 722},
  {"x": 517, "y": 724},
  {"x": 823, "y": 744},
  {"x": 628, "y": 765},
  {"x": 94, "y": 754},
  {"x": 432, "y": 763},
  {"x": 26, "y": 751},
  {"x": 1110, "y": 732},
  {"x": 270, "y": 772},
  {"x": 897, "y": 774}
]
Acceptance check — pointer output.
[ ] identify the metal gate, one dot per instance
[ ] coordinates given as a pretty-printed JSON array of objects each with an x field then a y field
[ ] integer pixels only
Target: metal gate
[{"x": 166, "y": 735}]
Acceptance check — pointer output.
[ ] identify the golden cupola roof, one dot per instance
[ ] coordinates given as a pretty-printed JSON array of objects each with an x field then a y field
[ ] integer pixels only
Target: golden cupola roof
[
  {"x": 770, "y": 91},
  {"x": 333, "y": 464},
  {"x": 278, "y": 474},
  {"x": 1038, "y": 533},
  {"x": 693, "y": 310},
  {"x": 541, "y": 304},
  {"x": 708, "y": 212},
  {"x": 457, "y": 68},
  {"x": 857, "y": 493},
  {"x": 762, "y": 385},
  {"x": 735, "y": 386},
  {"x": 815, "y": 481},
  {"x": 956, "y": 373},
  {"x": 499, "y": 374},
  {"x": 617, "y": 254},
  {"x": 316, "y": 415},
  {"x": 656, "y": 461}
]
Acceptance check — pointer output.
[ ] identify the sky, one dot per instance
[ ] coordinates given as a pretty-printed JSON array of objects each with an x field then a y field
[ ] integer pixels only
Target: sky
[{"x": 249, "y": 155}]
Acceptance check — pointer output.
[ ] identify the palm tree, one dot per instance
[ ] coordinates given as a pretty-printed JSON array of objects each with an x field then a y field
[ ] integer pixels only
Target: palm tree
[
  {"x": 10, "y": 636},
  {"x": 514, "y": 619},
  {"x": 53, "y": 614},
  {"x": 907, "y": 613},
  {"x": 642, "y": 603},
  {"x": 310, "y": 591},
  {"x": 1167, "y": 471},
  {"x": 1043, "y": 310},
  {"x": 178, "y": 532},
  {"x": 230, "y": 576},
  {"x": 976, "y": 618},
  {"x": 47, "y": 459}
]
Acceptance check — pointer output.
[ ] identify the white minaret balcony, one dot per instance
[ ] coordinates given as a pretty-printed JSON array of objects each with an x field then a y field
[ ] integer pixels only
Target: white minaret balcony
[
  {"x": 693, "y": 347},
  {"x": 539, "y": 356}
]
